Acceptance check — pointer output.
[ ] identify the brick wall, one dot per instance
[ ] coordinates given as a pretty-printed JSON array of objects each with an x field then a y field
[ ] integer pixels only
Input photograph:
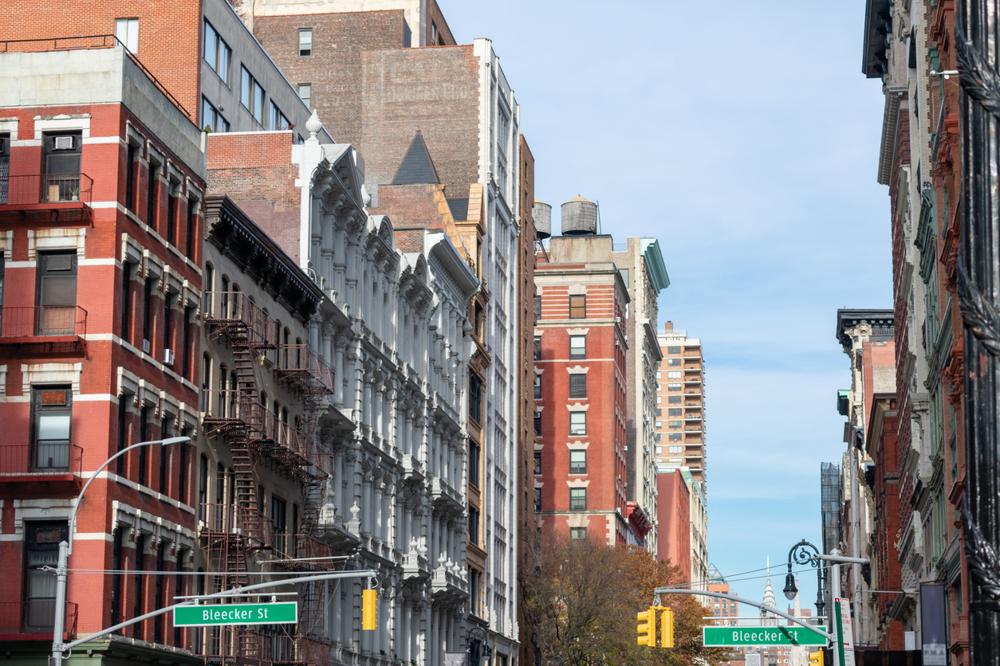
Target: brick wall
[{"x": 674, "y": 518}]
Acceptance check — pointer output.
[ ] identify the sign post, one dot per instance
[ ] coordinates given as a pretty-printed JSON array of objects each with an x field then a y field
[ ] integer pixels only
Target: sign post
[
  {"x": 844, "y": 631},
  {"x": 738, "y": 636},
  {"x": 208, "y": 615}
]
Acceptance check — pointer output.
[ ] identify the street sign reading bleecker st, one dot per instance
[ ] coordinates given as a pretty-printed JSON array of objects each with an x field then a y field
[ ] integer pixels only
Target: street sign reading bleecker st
[
  {"x": 219, "y": 614},
  {"x": 734, "y": 636}
]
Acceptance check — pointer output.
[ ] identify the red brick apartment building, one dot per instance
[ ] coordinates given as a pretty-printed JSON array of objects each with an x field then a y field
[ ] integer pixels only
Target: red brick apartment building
[
  {"x": 580, "y": 389},
  {"x": 100, "y": 229}
]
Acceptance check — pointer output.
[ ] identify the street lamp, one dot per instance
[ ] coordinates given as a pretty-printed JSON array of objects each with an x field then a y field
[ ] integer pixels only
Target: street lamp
[
  {"x": 66, "y": 547},
  {"x": 805, "y": 553}
]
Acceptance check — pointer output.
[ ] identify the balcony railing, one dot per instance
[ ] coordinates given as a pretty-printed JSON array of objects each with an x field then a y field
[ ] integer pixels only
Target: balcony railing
[
  {"x": 235, "y": 314},
  {"x": 43, "y": 321},
  {"x": 40, "y": 459},
  {"x": 34, "y": 616},
  {"x": 298, "y": 363},
  {"x": 38, "y": 188}
]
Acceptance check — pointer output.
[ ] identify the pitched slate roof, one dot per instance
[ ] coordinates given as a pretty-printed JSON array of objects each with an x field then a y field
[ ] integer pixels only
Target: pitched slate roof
[{"x": 417, "y": 168}]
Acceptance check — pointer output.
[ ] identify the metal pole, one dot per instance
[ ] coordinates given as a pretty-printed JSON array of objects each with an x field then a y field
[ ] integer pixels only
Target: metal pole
[{"x": 66, "y": 547}]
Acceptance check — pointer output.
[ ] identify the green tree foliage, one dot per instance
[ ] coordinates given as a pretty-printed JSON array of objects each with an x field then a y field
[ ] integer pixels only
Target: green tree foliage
[{"x": 581, "y": 598}]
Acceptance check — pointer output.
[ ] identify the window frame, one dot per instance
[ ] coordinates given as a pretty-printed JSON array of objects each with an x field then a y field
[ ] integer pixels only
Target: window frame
[
  {"x": 575, "y": 355},
  {"x": 577, "y": 306},
  {"x": 131, "y": 33},
  {"x": 574, "y": 428},
  {"x": 576, "y": 466},
  {"x": 307, "y": 51},
  {"x": 578, "y": 498},
  {"x": 574, "y": 386}
]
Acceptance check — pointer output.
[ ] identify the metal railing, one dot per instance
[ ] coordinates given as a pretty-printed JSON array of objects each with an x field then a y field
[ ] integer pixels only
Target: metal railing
[
  {"x": 298, "y": 361},
  {"x": 40, "y": 188},
  {"x": 34, "y": 616},
  {"x": 40, "y": 459},
  {"x": 235, "y": 308},
  {"x": 42, "y": 320}
]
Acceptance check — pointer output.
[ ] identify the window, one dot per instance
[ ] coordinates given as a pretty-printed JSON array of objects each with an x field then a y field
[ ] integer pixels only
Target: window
[
  {"x": 179, "y": 590},
  {"x": 147, "y": 314},
  {"x": 185, "y": 349},
  {"x": 674, "y": 399},
  {"x": 673, "y": 387},
  {"x": 251, "y": 95},
  {"x": 578, "y": 346},
  {"x": 674, "y": 437},
  {"x": 127, "y": 32},
  {"x": 117, "y": 564},
  {"x": 279, "y": 522},
  {"x": 132, "y": 152},
  {"x": 217, "y": 53},
  {"x": 577, "y": 423},
  {"x": 673, "y": 350},
  {"x": 577, "y": 499},
  {"x": 123, "y": 401},
  {"x": 56, "y": 293},
  {"x": 474, "y": 463},
  {"x": 538, "y": 462},
  {"x": 538, "y": 423},
  {"x": 192, "y": 226},
  {"x": 138, "y": 584},
  {"x": 578, "y": 306},
  {"x": 173, "y": 193},
  {"x": 475, "y": 398},
  {"x": 160, "y": 592},
  {"x": 51, "y": 422},
  {"x": 538, "y": 347},
  {"x": 143, "y": 450},
  {"x": 41, "y": 552},
  {"x": 166, "y": 454},
  {"x": 276, "y": 120},
  {"x": 305, "y": 41},
  {"x": 538, "y": 308},
  {"x": 577, "y": 533},
  {"x": 673, "y": 361},
  {"x": 538, "y": 498},
  {"x": 62, "y": 166},
  {"x": 474, "y": 525},
  {"x": 674, "y": 374},
  {"x": 578, "y": 461},
  {"x": 202, "y": 487},
  {"x": 211, "y": 119},
  {"x": 538, "y": 387},
  {"x": 4, "y": 165},
  {"x": 153, "y": 192},
  {"x": 674, "y": 449},
  {"x": 126, "y": 296},
  {"x": 674, "y": 411},
  {"x": 305, "y": 93},
  {"x": 578, "y": 385},
  {"x": 673, "y": 424},
  {"x": 182, "y": 469},
  {"x": 168, "y": 322}
]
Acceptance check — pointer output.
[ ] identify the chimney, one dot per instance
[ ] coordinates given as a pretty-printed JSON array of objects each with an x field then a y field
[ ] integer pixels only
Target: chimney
[{"x": 669, "y": 326}]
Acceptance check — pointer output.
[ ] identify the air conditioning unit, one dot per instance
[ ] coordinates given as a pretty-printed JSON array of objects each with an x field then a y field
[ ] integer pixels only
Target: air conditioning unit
[
  {"x": 67, "y": 142},
  {"x": 145, "y": 346},
  {"x": 168, "y": 357}
]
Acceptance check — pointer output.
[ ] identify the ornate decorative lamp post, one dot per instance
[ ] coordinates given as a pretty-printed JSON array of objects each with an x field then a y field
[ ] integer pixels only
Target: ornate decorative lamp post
[{"x": 805, "y": 553}]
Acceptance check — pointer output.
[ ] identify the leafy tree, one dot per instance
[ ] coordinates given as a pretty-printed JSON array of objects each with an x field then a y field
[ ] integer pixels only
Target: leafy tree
[{"x": 582, "y": 597}]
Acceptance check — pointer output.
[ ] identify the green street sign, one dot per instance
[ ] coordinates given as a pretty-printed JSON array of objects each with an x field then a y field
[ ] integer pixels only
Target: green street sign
[
  {"x": 735, "y": 636},
  {"x": 215, "y": 614}
]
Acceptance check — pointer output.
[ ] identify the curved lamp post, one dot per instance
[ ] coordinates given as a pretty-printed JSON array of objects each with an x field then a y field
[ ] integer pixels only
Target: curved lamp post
[
  {"x": 805, "y": 553},
  {"x": 66, "y": 547}
]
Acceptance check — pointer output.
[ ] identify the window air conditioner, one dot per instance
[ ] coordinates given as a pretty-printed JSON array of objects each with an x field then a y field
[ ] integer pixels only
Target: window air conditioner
[
  {"x": 64, "y": 142},
  {"x": 168, "y": 357},
  {"x": 145, "y": 346}
]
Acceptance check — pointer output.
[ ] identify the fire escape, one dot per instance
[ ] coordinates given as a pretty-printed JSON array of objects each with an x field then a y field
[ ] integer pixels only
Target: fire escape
[{"x": 238, "y": 532}]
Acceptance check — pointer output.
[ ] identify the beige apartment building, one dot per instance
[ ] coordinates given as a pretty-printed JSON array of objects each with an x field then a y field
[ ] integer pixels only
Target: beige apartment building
[{"x": 681, "y": 402}]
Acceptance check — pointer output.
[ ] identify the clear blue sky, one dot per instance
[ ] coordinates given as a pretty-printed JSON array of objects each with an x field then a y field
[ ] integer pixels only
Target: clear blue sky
[{"x": 744, "y": 137}]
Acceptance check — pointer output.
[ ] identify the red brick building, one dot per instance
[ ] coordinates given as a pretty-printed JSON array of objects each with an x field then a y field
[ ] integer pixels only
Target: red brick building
[
  {"x": 580, "y": 390},
  {"x": 100, "y": 230},
  {"x": 674, "y": 518}
]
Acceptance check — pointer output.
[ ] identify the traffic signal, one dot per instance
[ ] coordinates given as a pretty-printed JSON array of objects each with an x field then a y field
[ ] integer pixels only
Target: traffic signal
[
  {"x": 816, "y": 658},
  {"x": 645, "y": 629},
  {"x": 369, "y": 609},
  {"x": 666, "y": 626}
]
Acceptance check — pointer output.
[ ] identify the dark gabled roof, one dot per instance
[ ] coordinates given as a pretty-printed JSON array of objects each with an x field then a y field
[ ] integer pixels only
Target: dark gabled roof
[
  {"x": 459, "y": 209},
  {"x": 417, "y": 168}
]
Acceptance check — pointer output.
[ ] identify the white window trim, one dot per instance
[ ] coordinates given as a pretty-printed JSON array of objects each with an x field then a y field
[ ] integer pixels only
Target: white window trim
[{"x": 62, "y": 123}]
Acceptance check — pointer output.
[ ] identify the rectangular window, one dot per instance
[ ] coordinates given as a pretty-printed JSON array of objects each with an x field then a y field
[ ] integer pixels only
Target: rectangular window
[
  {"x": 143, "y": 451},
  {"x": 538, "y": 499},
  {"x": 538, "y": 423},
  {"x": 202, "y": 487},
  {"x": 185, "y": 349},
  {"x": 62, "y": 166},
  {"x": 123, "y": 401},
  {"x": 578, "y": 306},
  {"x": 56, "y": 293},
  {"x": 577, "y": 346},
  {"x": 147, "y": 314},
  {"x": 117, "y": 564},
  {"x": 182, "y": 469},
  {"x": 538, "y": 347},
  {"x": 305, "y": 41},
  {"x": 674, "y": 449},
  {"x": 538, "y": 308},
  {"x": 577, "y": 499},
  {"x": 127, "y": 32},
  {"x": 674, "y": 411},
  {"x": 675, "y": 437},
  {"x": 538, "y": 462},
  {"x": 125, "y": 324},
  {"x": 131, "y": 181},
  {"x": 577, "y": 533},
  {"x": 475, "y": 398},
  {"x": 252, "y": 95},
  {"x": 578, "y": 461},
  {"x": 166, "y": 454},
  {"x": 179, "y": 591},
  {"x": 139, "y": 584},
  {"x": 211, "y": 119},
  {"x": 217, "y": 53},
  {"x": 674, "y": 374},
  {"x": 474, "y": 525},
  {"x": 305, "y": 93},
  {"x": 674, "y": 399},
  {"x": 153, "y": 193},
  {"x": 673, "y": 350},
  {"x": 279, "y": 523},
  {"x": 192, "y": 227},
  {"x": 673, "y": 361},
  {"x": 41, "y": 553},
  {"x": 173, "y": 193},
  {"x": 474, "y": 463},
  {"x": 168, "y": 323},
  {"x": 538, "y": 387},
  {"x": 578, "y": 385},
  {"x": 577, "y": 423},
  {"x": 160, "y": 592},
  {"x": 52, "y": 417},
  {"x": 4, "y": 165}
]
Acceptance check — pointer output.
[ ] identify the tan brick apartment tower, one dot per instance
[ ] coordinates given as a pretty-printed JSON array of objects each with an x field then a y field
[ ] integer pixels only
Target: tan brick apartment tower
[
  {"x": 580, "y": 377},
  {"x": 382, "y": 73},
  {"x": 681, "y": 402}
]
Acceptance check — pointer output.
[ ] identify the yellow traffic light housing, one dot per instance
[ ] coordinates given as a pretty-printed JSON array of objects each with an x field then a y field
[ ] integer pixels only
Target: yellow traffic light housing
[
  {"x": 369, "y": 610},
  {"x": 645, "y": 629},
  {"x": 816, "y": 658},
  {"x": 666, "y": 626}
]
